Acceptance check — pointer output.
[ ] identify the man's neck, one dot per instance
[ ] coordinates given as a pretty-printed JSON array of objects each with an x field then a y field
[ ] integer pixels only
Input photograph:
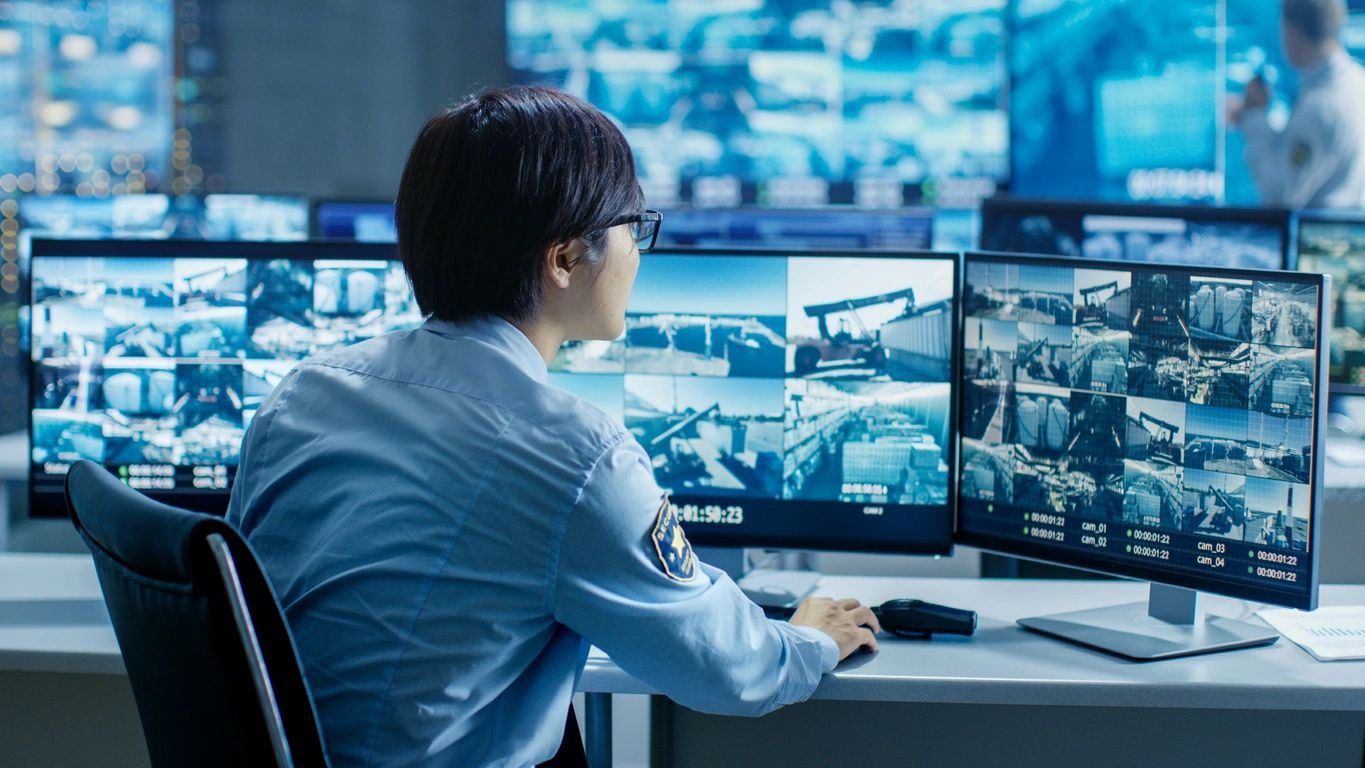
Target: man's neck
[
  {"x": 546, "y": 336},
  {"x": 1321, "y": 60}
]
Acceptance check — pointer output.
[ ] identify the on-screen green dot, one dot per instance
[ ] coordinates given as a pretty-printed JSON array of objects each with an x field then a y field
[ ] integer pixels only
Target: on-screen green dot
[
  {"x": 1130, "y": 547},
  {"x": 1130, "y": 533},
  {"x": 1026, "y": 530},
  {"x": 1250, "y": 569},
  {"x": 1252, "y": 553}
]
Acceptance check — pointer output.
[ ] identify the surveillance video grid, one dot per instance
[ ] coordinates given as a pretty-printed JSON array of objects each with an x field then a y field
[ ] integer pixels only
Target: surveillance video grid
[
  {"x": 801, "y": 379},
  {"x": 784, "y": 104},
  {"x": 1179, "y": 421},
  {"x": 155, "y": 366},
  {"x": 1337, "y": 247}
]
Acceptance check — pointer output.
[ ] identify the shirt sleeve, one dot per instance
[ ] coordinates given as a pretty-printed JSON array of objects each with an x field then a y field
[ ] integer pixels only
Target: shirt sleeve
[
  {"x": 1292, "y": 167},
  {"x": 698, "y": 640},
  {"x": 1266, "y": 157}
]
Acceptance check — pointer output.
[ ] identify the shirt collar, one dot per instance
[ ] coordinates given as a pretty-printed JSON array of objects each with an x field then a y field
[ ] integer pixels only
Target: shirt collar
[
  {"x": 1320, "y": 71},
  {"x": 501, "y": 335}
]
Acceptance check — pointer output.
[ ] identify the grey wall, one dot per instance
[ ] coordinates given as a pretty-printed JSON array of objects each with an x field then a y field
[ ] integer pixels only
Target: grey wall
[{"x": 324, "y": 98}]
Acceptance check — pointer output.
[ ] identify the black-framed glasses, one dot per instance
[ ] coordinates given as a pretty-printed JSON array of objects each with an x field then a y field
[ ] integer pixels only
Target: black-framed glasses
[{"x": 644, "y": 227}]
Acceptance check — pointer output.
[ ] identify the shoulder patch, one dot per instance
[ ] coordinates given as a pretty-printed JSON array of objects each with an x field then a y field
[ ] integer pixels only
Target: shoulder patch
[
  {"x": 1301, "y": 154},
  {"x": 670, "y": 544}
]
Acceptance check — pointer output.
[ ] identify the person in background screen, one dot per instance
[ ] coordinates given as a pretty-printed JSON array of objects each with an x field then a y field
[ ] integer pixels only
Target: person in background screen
[
  {"x": 447, "y": 533},
  {"x": 1318, "y": 160}
]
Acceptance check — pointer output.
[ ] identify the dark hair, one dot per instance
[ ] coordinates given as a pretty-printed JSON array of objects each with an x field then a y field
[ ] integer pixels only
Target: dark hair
[
  {"x": 492, "y": 183},
  {"x": 1318, "y": 20}
]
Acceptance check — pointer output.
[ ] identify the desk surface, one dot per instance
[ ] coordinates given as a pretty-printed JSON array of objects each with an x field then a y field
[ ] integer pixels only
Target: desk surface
[{"x": 52, "y": 620}]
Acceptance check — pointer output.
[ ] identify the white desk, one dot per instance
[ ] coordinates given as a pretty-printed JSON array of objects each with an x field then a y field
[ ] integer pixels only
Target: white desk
[{"x": 52, "y": 621}]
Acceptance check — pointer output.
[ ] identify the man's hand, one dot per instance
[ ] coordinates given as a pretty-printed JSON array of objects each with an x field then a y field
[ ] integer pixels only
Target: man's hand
[
  {"x": 851, "y": 624},
  {"x": 1257, "y": 96}
]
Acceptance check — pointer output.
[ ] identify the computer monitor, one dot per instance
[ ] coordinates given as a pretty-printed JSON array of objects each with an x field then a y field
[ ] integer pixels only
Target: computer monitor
[
  {"x": 1150, "y": 421},
  {"x": 1226, "y": 237},
  {"x": 788, "y": 398},
  {"x": 362, "y": 221},
  {"x": 252, "y": 217},
  {"x": 843, "y": 227},
  {"x": 785, "y": 104},
  {"x": 1334, "y": 243},
  {"x": 151, "y": 357}
]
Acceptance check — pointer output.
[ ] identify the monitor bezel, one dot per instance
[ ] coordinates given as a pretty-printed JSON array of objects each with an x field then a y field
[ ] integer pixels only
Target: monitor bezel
[
  {"x": 1212, "y": 585},
  {"x": 52, "y": 505},
  {"x": 315, "y": 215},
  {"x": 718, "y": 536},
  {"x": 1281, "y": 218},
  {"x": 1319, "y": 216}
]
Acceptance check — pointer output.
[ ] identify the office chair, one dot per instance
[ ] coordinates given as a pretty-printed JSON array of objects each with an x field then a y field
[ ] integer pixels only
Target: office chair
[{"x": 212, "y": 663}]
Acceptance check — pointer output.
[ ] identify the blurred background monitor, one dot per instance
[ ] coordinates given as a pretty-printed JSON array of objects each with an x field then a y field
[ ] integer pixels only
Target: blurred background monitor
[
  {"x": 250, "y": 217},
  {"x": 367, "y": 221},
  {"x": 151, "y": 357},
  {"x": 1149, "y": 421},
  {"x": 1334, "y": 243},
  {"x": 843, "y": 227},
  {"x": 785, "y": 103},
  {"x": 1126, "y": 99},
  {"x": 1226, "y": 237},
  {"x": 803, "y": 400},
  {"x": 91, "y": 85}
]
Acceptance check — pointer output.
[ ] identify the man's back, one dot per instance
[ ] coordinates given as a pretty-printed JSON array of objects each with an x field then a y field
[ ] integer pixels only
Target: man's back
[
  {"x": 380, "y": 550},
  {"x": 443, "y": 530}
]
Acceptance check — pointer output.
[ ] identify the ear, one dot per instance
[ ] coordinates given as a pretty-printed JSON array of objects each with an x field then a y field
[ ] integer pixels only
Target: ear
[{"x": 560, "y": 260}]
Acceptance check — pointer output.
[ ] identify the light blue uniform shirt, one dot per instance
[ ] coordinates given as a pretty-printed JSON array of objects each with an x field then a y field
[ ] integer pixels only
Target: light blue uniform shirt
[{"x": 445, "y": 531}]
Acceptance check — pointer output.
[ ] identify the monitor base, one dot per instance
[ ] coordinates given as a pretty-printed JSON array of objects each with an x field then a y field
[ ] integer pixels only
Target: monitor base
[{"x": 1166, "y": 627}]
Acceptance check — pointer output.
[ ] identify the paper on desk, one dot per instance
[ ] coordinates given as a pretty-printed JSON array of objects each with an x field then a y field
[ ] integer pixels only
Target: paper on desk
[{"x": 1330, "y": 634}]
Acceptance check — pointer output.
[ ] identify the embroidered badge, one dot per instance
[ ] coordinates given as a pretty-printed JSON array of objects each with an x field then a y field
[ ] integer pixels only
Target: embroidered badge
[
  {"x": 1301, "y": 155},
  {"x": 675, "y": 554}
]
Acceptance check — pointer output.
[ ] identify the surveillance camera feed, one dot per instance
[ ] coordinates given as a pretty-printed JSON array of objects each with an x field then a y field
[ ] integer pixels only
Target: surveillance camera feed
[
  {"x": 1336, "y": 246},
  {"x": 153, "y": 360},
  {"x": 788, "y": 398},
  {"x": 1149, "y": 421},
  {"x": 736, "y": 102},
  {"x": 1129, "y": 99},
  {"x": 1250, "y": 239}
]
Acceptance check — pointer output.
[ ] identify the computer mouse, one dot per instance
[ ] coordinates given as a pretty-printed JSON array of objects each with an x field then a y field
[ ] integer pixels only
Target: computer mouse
[{"x": 916, "y": 618}]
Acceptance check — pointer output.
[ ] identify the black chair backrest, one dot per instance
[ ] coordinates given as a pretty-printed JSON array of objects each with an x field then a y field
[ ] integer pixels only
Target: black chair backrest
[{"x": 212, "y": 663}]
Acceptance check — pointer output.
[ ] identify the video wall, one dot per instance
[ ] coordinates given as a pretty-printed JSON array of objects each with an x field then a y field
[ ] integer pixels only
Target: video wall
[
  {"x": 88, "y": 95},
  {"x": 784, "y": 103}
]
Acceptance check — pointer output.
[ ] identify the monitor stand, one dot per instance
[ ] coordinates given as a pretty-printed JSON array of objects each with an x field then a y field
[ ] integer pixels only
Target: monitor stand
[
  {"x": 771, "y": 589},
  {"x": 1168, "y": 625}
]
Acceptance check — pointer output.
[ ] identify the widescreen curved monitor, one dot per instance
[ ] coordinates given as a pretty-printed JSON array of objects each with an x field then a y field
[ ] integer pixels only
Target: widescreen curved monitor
[{"x": 789, "y": 398}]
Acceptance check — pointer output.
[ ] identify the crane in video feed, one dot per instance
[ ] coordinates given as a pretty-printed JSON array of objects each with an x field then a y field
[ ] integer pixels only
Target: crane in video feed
[
  {"x": 1162, "y": 437},
  {"x": 843, "y": 345},
  {"x": 1092, "y": 307}
]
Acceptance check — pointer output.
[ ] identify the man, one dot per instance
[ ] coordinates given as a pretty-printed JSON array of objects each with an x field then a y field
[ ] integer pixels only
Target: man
[
  {"x": 1318, "y": 160},
  {"x": 446, "y": 531}
]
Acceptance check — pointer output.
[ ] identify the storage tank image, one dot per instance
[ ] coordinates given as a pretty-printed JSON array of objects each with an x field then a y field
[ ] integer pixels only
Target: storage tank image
[
  {"x": 1203, "y": 312},
  {"x": 1057, "y": 425},
  {"x": 1029, "y": 419},
  {"x": 1233, "y": 309}
]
